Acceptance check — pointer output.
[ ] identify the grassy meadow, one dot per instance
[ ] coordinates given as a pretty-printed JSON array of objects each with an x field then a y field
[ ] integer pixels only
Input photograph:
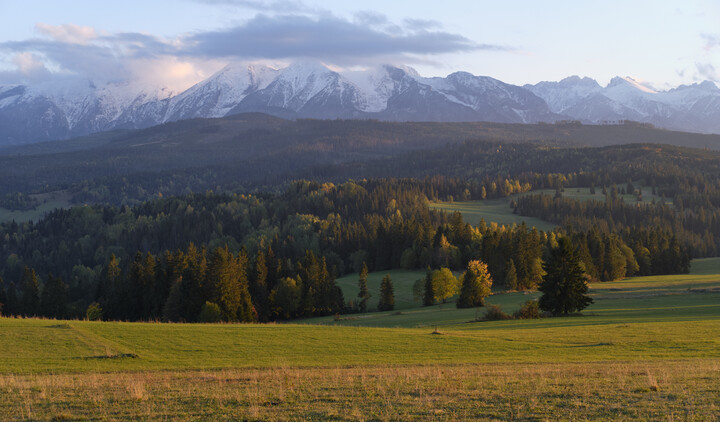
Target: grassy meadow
[
  {"x": 46, "y": 202},
  {"x": 648, "y": 349},
  {"x": 498, "y": 210}
]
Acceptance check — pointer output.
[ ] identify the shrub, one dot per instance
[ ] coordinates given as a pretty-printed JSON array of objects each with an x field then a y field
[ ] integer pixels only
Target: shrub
[
  {"x": 210, "y": 312},
  {"x": 529, "y": 310},
  {"x": 94, "y": 312},
  {"x": 494, "y": 313}
]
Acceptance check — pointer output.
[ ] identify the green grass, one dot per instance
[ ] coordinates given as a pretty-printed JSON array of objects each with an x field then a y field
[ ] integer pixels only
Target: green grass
[
  {"x": 402, "y": 280},
  {"x": 493, "y": 211},
  {"x": 647, "y": 349},
  {"x": 48, "y": 202},
  {"x": 668, "y": 317},
  {"x": 498, "y": 210}
]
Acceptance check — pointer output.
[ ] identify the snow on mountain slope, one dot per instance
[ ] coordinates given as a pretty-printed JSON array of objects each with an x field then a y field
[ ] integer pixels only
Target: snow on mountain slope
[
  {"x": 217, "y": 95},
  {"x": 72, "y": 107},
  {"x": 562, "y": 95}
]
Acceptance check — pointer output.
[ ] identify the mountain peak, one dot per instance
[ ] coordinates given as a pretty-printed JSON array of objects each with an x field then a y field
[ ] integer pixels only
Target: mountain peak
[
  {"x": 630, "y": 82},
  {"x": 577, "y": 80}
]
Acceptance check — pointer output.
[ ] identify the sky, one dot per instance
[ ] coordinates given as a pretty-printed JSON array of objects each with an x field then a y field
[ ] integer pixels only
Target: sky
[{"x": 177, "y": 43}]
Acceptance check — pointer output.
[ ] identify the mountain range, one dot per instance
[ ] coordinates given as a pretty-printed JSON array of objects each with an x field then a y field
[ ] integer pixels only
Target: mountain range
[{"x": 43, "y": 112}]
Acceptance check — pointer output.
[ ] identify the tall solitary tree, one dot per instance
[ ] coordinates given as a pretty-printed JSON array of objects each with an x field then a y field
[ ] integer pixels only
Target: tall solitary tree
[
  {"x": 476, "y": 284},
  {"x": 387, "y": 295},
  {"x": 364, "y": 293},
  {"x": 564, "y": 285},
  {"x": 429, "y": 293}
]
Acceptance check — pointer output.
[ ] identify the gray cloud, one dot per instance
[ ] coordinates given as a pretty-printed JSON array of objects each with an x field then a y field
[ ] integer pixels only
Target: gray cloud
[
  {"x": 706, "y": 71},
  {"x": 369, "y": 38},
  {"x": 286, "y": 6},
  {"x": 711, "y": 41},
  {"x": 325, "y": 37}
]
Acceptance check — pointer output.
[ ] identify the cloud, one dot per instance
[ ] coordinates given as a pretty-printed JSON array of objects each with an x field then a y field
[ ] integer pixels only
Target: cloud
[
  {"x": 706, "y": 71},
  {"x": 287, "y": 6},
  {"x": 368, "y": 38},
  {"x": 71, "y": 34},
  {"x": 325, "y": 37},
  {"x": 711, "y": 41}
]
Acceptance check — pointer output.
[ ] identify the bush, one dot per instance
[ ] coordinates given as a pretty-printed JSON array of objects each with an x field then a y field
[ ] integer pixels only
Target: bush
[
  {"x": 494, "y": 313},
  {"x": 94, "y": 312},
  {"x": 210, "y": 312},
  {"x": 529, "y": 310}
]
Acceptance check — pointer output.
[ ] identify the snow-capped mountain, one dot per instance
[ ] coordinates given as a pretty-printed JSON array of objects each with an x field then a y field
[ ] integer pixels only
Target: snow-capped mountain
[
  {"x": 694, "y": 108},
  {"x": 313, "y": 90}
]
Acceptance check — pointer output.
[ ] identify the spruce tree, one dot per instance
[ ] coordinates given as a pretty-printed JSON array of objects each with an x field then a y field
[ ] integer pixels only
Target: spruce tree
[
  {"x": 30, "y": 293},
  {"x": 12, "y": 306},
  {"x": 53, "y": 301},
  {"x": 511, "y": 280},
  {"x": 364, "y": 293},
  {"x": 3, "y": 298},
  {"x": 387, "y": 295},
  {"x": 429, "y": 293},
  {"x": 564, "y": 285}
]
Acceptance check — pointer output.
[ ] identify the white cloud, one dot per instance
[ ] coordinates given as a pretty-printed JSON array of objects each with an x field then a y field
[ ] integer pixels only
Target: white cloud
[{"x": 69, "y": 33}]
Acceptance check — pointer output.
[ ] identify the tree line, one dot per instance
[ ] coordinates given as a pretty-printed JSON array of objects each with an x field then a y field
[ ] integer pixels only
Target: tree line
[{"x": 282, "y": 252}]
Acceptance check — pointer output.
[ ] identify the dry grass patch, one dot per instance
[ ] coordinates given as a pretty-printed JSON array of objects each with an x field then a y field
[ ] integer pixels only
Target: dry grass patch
[{"x": 675, "y": 390}]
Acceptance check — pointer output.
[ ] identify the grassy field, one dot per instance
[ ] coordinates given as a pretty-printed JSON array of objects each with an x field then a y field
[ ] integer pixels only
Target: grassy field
[
  {"x": 648, "y": 349},
  {"x": 47, "y": 202},
  {"x": 498, "y": 210}
]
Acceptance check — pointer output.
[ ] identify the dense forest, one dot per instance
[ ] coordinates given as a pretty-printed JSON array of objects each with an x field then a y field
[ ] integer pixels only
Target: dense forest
[
  {"x": 252, "y": 218},
  {"x": 248, "y": 258}
]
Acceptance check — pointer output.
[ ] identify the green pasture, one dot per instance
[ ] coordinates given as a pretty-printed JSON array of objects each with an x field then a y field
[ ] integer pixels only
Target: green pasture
[
  {"x": 668, "y": 317},
  {"x": 498, "y": 210},
  {"x": 47, "y": 202}
]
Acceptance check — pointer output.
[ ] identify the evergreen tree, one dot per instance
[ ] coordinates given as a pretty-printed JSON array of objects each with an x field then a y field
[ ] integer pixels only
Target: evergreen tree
[
  {"x": 30, "y": 293},
  {"x": 223, "y": 275},
  {"x": 259, "y": 290},
  {"x": 429, "y": 293},
  {"x": 511, "y": 281},
  {"x": 364, "y": 293},
  {"x": 476, "y": 285},
  {"x": 53, "y": 301},
  {"x": 564, "y": 285},
  {"x": 3, "y": 298},
  {"x": 387, "y": 294},
  {"x": 246, "y": 311},
  {"x": 12, "y": 307}
]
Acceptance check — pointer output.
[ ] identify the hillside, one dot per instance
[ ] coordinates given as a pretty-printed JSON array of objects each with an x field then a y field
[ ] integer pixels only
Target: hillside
[{"x": 253, "y": 150}]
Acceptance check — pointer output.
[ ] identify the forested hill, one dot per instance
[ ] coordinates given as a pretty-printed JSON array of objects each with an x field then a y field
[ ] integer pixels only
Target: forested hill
[{"x": 251, "y": 151}]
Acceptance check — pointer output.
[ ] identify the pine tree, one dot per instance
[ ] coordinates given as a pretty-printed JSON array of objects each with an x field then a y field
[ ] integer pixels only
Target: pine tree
[
  {"x": 53, "y": 301},
  {"x": 12, "y": 306},
  {"x": 259, "y": 290},
  {"x": 222, "y": 274},
  {"x": 387, "y": 295},
  {"x": 3, "y": 298},
  {"x": 476, "y": 285},
  {"x": 246, "y": 311},
  {"x": 564, "y": 285},
  {"x": 364, "y": 293},
  {"x": 429, "y": 293},
  {"x": 511, "y": 280},
  {"x": 30, "y": 293}
]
